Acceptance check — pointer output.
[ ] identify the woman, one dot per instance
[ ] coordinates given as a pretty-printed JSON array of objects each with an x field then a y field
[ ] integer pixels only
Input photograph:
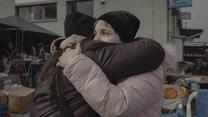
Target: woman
[
  {"x": 136, "y": 96},
  {"x": 68, "y": 98}
]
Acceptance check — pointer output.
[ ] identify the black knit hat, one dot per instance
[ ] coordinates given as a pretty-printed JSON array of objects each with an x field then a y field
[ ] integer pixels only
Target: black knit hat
[
  {"x": 78, "y": 23},
  {"x": 123, "y": 22}
]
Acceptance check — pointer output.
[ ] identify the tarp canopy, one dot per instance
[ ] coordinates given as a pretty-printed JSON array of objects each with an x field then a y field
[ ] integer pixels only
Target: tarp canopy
[
  {"x": 191, "y": 33},
  {"x": 23, "y": 33},
  {"x": 2, "y": 25},
  {"x": 9, "y": 26}
]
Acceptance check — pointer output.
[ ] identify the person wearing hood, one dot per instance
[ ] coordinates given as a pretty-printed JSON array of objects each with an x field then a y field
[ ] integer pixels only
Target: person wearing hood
[{"x": 55, "y": 96}]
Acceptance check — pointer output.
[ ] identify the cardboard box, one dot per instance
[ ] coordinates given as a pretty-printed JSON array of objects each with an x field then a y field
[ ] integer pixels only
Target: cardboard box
[{"x": 20, "y": 99}]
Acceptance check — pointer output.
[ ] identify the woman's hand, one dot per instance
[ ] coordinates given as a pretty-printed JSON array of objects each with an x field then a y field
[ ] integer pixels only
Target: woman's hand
[
  {"x": 71, "y": 41},
  {"x": 53, "y": 46},
  {"x": 68, "y": 56}
]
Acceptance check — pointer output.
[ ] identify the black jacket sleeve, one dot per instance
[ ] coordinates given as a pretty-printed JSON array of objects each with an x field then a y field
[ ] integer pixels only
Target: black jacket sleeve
[{"x": 119, "y": 61}]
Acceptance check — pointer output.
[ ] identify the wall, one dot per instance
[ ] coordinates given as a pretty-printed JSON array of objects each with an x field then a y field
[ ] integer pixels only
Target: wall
[
  {"x": 7, "y": 8},
  {"x": 152, "y": 13},
  {"x": 29, "y": 2},
  {"x": 57, "y": 26},
  {"x": 54, "y": 26},
  {"x": 199, "y": 18}
]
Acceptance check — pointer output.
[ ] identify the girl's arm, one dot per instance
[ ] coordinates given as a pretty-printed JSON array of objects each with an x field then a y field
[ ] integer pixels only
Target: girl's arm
[{"x": 127, "y": 99}]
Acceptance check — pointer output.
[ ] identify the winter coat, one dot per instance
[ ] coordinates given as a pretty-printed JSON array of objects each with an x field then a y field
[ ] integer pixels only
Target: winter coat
[
  {"x": 119, "y": 61},
  {"x": 137, "y": 96},
  {"x": 104, "y": 57},
  {"x": 43, "y": 107}
]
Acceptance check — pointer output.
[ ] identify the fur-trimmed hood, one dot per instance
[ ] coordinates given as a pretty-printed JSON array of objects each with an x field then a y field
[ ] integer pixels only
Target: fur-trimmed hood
[{"x": 170, "y": 55}]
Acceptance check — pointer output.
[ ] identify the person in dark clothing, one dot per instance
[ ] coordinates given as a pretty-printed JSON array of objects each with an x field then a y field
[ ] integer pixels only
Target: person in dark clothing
[{"x": 50, "y": 99}]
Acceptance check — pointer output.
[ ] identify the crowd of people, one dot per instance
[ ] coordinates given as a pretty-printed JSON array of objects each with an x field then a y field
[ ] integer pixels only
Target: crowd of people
[{"x": 13, "y": 61}]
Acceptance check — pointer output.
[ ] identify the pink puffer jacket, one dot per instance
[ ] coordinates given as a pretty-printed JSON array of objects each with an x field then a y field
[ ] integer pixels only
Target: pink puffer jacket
[{"x": 137, "y": 96}]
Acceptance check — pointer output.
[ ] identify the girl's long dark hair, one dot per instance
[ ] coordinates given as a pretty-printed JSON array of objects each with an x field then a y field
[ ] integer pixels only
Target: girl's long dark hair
[{"x": 50, "y": 75}]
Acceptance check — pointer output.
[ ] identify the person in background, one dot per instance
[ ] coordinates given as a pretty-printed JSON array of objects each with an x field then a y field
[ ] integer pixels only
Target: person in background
[
  {"x": 136, "y": 96},
  {"x": 33, "y": 51},
  {"x": 41, "y": 50},
  {"x": 1, "y": 62},
  {"x": 11, "y": 50}
]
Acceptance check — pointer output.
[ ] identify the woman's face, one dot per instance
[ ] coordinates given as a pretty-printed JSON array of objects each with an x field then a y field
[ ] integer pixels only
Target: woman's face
[{"x": 104, "y": 32}]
